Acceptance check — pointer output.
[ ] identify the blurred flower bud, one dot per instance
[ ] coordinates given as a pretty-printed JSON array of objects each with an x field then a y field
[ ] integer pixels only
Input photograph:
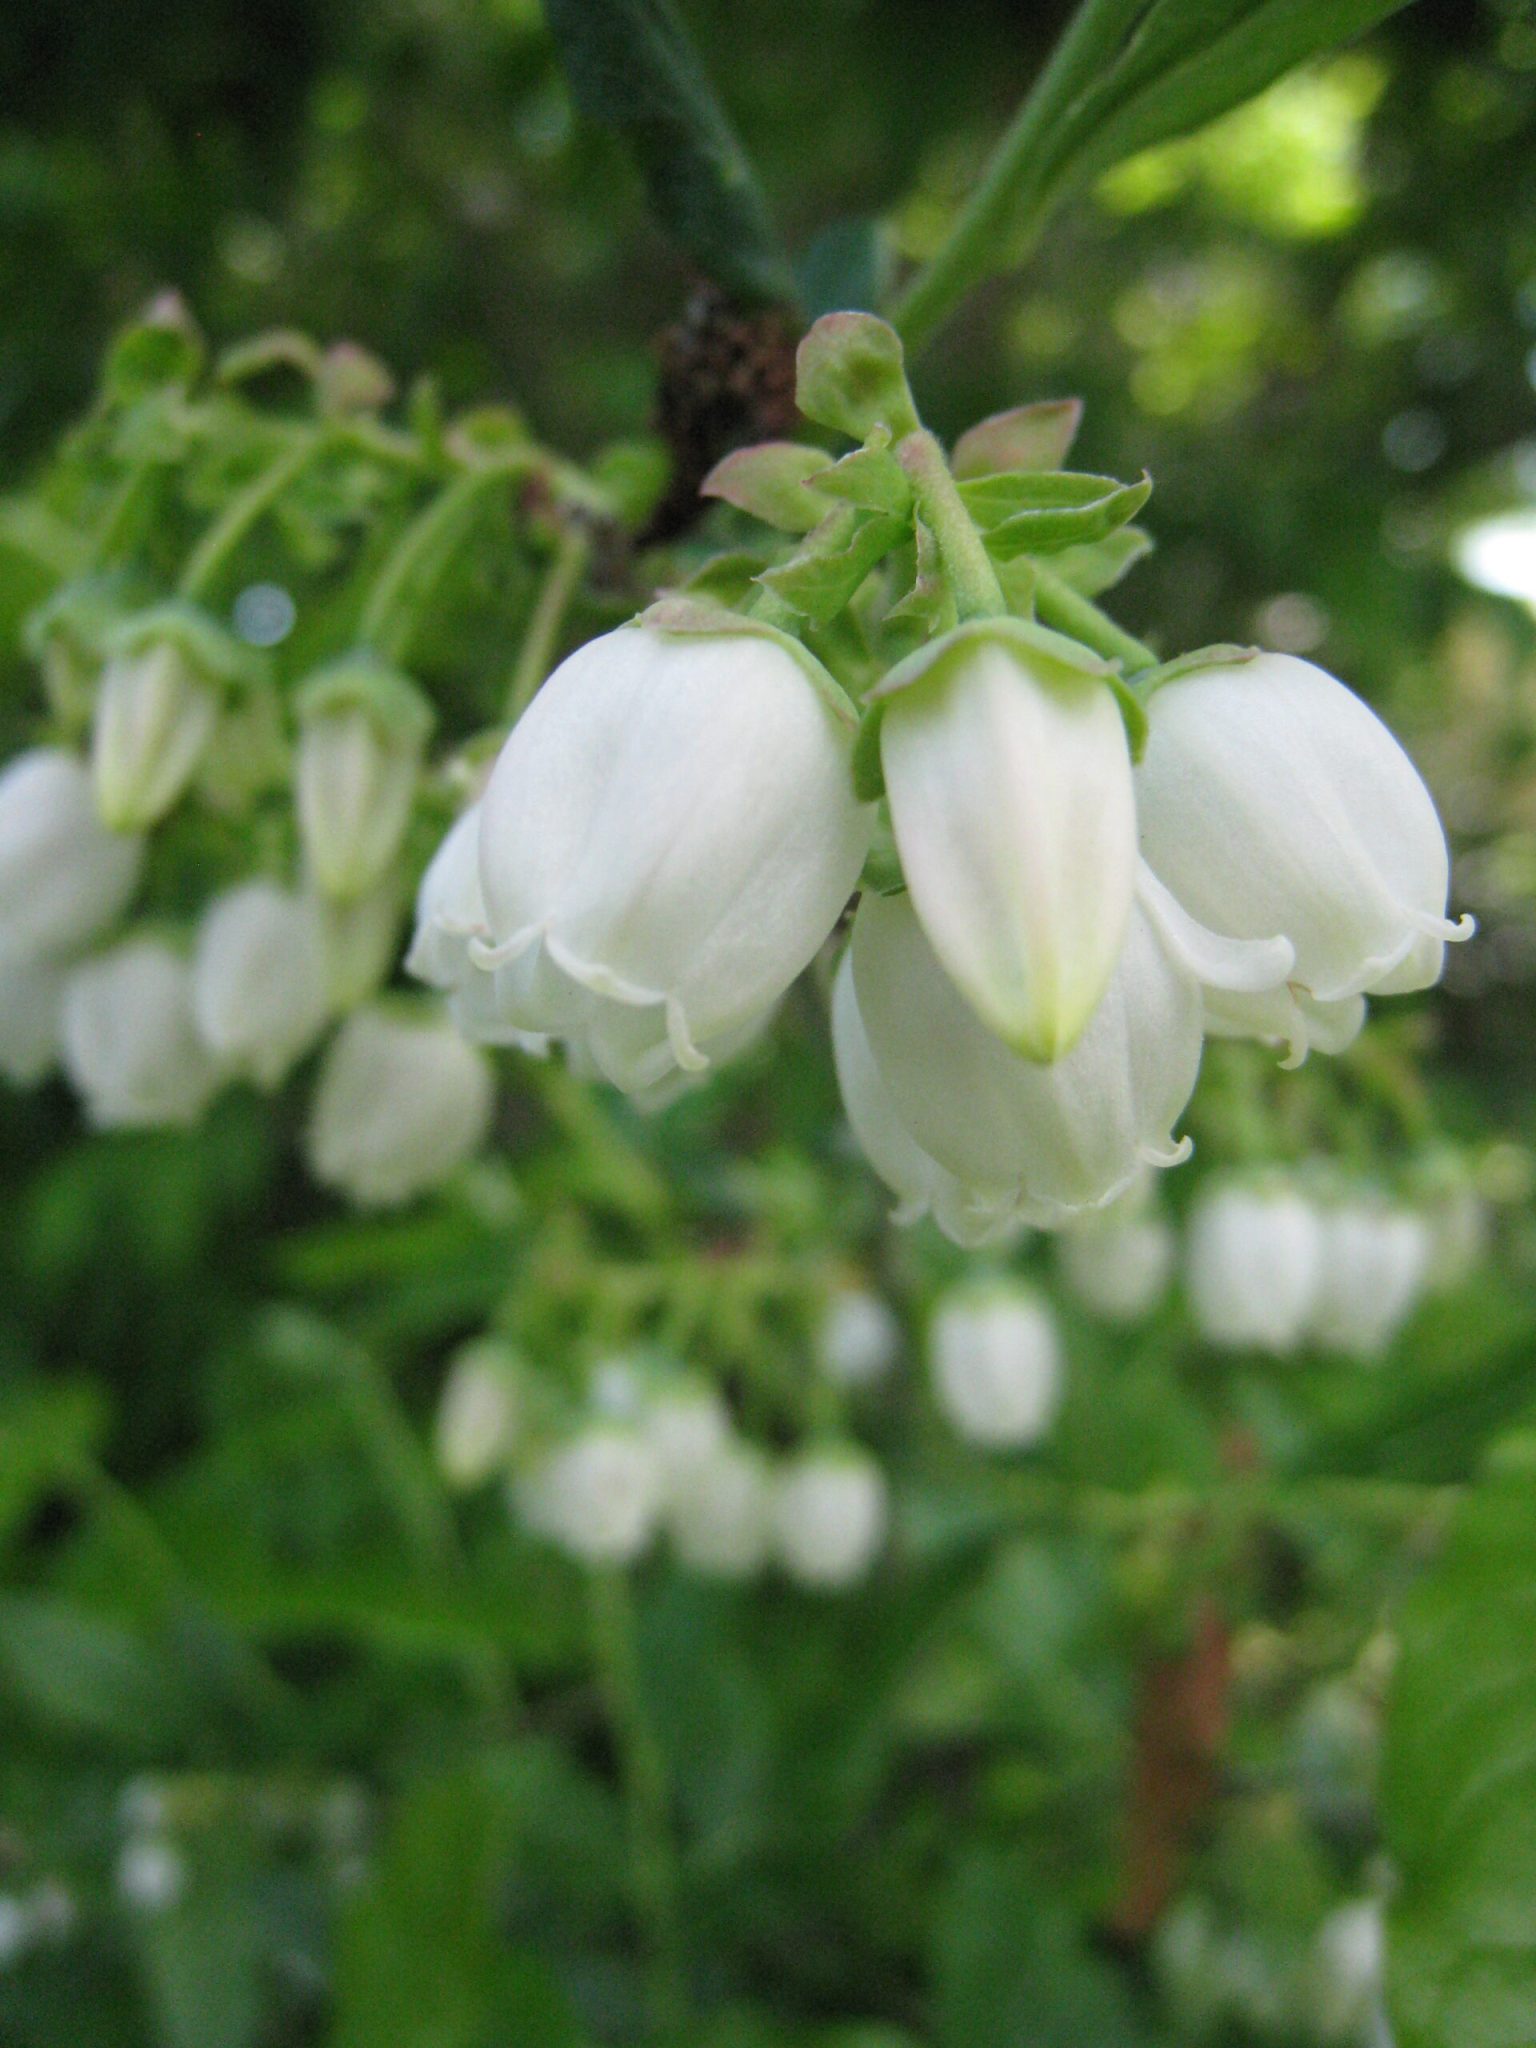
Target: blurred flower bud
[
  {"x": 1272, "y": 801},
  {"x": 858, "y": 1339},
  {"x": 1118, "y": 1266},
  {"x": 720, "y": 1514},
  {"x": 830, "y": 1512},
  {"x": 996, "y": 1363},
  {"x": 1348, "y": 1969},
  {"x": 131, "y": 1045},
  {"x": 1374, "y": 1265},
  {"x": 66, "y": 636},
  {"x": 1254, "y": 1262},
  {"x": 151, "y": 1874},
  {"x": 478, "y": 1415},
  {"x": 684, "y": 1423},
  {"x": 63, "y": 876},
  {"x": 363, "y": 730},
  {"x": 599, "y": 1496},
  {"x": 31, "y": 1015},
  {"x": 400, "y": 1104},
  {"x": 668, "y": 836},
  {"x": 360, "y": 939},
  {"x": 1009, "y": 777},
  {"x": 1046, "y": 1141},
  {"x": 258, "y": 980},
  {"x": 167, "y": 674}
]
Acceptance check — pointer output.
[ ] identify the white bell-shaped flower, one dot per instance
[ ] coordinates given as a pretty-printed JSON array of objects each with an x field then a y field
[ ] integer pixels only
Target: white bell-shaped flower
[
  {"x": 831, "y": 1510},
  {"x": 599, "y": 1496},
  {"x": 1274, "y": 802},
  {"x": 1049, "y": 1141},
  {"x": 363, "y": 730},
  {"x": 63, "y": 876},
  {"x": 685, "y": 1422},
  {"x": 667, "y": 838},
  {"x": 258, "y": 980},
  {"x": 1117, "y": 1265},
  {"x": 155, "y": 716},
  {"x": 31, "y": 1015},
  {"x": 721, "y": 1517},
  {"x": 1254, "y": 1264},
  {"x": 131, "y": 1044},
  {"x": 858, "y": 1338},
  {"x": 995, "y": 1360},
  {"x": 1347, "y": 1972},
  {"x": 479, "y": 1412},
  {"x": 1375, "y": 1264},
  {"x": 1009, "y": 777},
  {"x": 450, "y": 914},
  {"x": 400, "y": 1104},
  {"x": 968, "y": 1216}
]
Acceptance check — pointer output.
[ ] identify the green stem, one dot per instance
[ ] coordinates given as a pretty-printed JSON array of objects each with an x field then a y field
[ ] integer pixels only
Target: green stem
[
  {"x": 1058, "y": 604},
  {"x": 247, "y": 508},
  {"x": 535, "y": 657},
  {"x": 420, "y": 555},
  {"x": 967, "y": 565},
  {"x": 130, "y": 498},
  {"x": 1009, "y": 206},
  {"x": 653, "y": 1871}
]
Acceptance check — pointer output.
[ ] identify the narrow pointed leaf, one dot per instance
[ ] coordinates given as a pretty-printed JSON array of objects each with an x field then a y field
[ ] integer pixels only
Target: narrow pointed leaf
[
  {"x": 823, "y": 576},
  {"x": 769, "y": 481},
  {"x": 1031, "y": 437}
]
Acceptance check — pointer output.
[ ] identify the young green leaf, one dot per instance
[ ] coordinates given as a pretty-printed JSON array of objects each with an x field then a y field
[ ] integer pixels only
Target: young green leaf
[{"x": 1026, "y": 437}]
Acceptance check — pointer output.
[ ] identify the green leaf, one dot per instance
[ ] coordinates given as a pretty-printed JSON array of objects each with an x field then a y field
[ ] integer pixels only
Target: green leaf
[
  {"x": 1025, "y": 437},
  {"x": 846, "y": 268},
  {"x": 1459, "y": 1781},
  {"x": 1099, "y": 565},
  {"x": 201, "y": 1954},
  {"x": 770, "y": 482},
  {"x": 82, "y": 1674},
  {"x": 631, "y": 65},
  {"x": 1046, "y": 527},
  {"x": 48, "y": 1431},
  {"x": 850, "y": 374},
  {"x": 824, "y": 575},
  {"x": 870, "y": 478}
]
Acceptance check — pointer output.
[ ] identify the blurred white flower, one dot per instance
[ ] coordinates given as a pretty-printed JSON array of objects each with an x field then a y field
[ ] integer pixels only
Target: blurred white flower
[
  {"x": 1254, "y": 1265},
  {"x": 1373, "y": 1268},
  {"x": 31, "y": 1015},
  {"x": 667, "y": 838},
  {"x": 15, "y": 1930},
  {"x": 1349, "y": 1956},
  {"x": 684, "y": 1423},
  {"x": 858, "y": 1339},
  {"x": 1273, "y": 802},
  {"x": 63, "y": 876},
  {"x": 131, "y": 1044},
  {"x": 363, "y": 730},
  {"x": 1118, "y": 1267},
  {"x": 478, "y": 1413},
  {"x": 151, "y": 1874},
  {"x": 598, "y": 1496},
  {"x": 1009, "y": 777},
  {"x": 258, "y": 980},
  {"x": 720, "y": 1514},
  {"x": 995, "y": 1359},
  {"x": 400, "y": 1104},
  {"x": 830, "y": 1513}
]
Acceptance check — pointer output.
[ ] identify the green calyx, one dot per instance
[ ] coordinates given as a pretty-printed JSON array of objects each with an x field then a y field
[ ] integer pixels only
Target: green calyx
[
  {"x": 696, "y": 616},
  {"x": 213, "y": 654},
  {"x": 361, "y": 682}
]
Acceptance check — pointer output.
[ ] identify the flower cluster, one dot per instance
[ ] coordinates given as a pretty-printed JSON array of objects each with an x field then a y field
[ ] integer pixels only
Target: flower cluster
[{"x": 653, "y": 1451}]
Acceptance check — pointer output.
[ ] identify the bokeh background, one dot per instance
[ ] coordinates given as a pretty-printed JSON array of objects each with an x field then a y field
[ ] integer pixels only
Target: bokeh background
[{"x": 241, "y": 1615}]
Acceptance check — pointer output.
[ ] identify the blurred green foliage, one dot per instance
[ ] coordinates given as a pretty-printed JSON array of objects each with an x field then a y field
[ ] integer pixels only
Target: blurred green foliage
[{"x": 243, "y": 1620}]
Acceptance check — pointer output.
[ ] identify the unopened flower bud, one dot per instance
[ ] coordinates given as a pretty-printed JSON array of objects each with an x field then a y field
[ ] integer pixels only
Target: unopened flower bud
[
  {"x": 478, "y": 1415},
  {"x": 1255, "y": 1258},
  {"x": 599, "y": 1496},
  {"x": 1009, "y": 776},
  {"x": 258, "y": 980},
  {"x": 858, "y": 1339},
  {"x": 1272, "y": 801},
  {"x": 363, "y": 730},
  {"x": 360, "y": 939},
  {"x": 400, "y": 1104},
  {"x": 167, "y": 675},
  {"x": 830, "y": 1513},
  {"x": 131, "y": 1044},
  {"x": 996, "y": 1363},
  {"x": 668, "y": 836},
  {"x": 63, "y": 876},
  {"x": 1373, "y": 1268},
  {"x": 720, "y": 1515}
]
